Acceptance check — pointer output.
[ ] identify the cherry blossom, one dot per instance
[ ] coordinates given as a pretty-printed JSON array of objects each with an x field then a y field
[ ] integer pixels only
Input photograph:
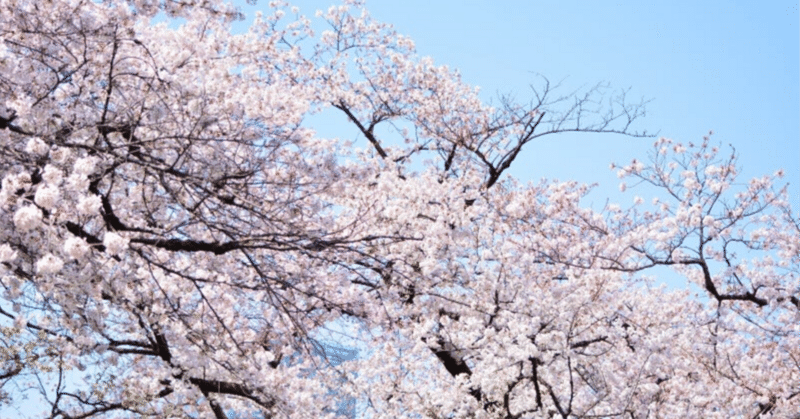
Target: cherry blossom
[
  {"x": 27, "y": 218},
  {"x": 49, "y": 264},
  {"x": 179, "y": 240}
]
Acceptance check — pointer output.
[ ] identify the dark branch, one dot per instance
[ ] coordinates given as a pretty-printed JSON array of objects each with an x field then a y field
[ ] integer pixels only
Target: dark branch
[{"x": 364, "y": 130}]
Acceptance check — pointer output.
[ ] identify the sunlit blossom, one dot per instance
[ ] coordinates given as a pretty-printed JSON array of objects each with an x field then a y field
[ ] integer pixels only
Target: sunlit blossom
[
  {"x": 114, "y": 243},
  {"x": 47, "y": 196},
  {"x": 89, "y": 205},
  {"x": 75, "y": 247},
  {"x": 27, "y": 218},
  {"x": 49, "y": 264}
]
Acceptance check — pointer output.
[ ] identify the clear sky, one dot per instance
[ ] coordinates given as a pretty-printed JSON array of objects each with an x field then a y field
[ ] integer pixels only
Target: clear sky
[{"x": 726, "y": 66}]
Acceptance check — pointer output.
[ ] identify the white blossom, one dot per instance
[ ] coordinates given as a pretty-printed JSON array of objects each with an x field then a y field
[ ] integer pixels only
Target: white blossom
[
  {"x": 47, "y": 196},
  {"x": 114, "y": 243},
  {"x": 52, "y": 175},
  {"x": 89, "y": 205},
  {"x": 7, "y": 254},
  {"x": 713, "y": 170},
  {"x": 85, "y": 165},
  {"x": 36, "y": 146},
  {"x": 13, "y": 182},
  {"x": 27, "y": 218},
  {"x": 636, "y": 166},
  {"x": 75, "y": 247},
  {"x": 60, "y": 155},
  {"x": 20, "y": 321},
  {"x": 49, "y": 264},
  {"x": 76, "y": 183}
]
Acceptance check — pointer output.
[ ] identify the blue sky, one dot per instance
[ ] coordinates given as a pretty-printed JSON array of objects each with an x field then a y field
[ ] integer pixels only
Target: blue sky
[{"x": 726, "y": 66}]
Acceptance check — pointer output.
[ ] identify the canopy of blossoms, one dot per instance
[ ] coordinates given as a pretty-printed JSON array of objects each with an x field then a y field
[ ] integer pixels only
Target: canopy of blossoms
[{"x": 174, "y": 232}]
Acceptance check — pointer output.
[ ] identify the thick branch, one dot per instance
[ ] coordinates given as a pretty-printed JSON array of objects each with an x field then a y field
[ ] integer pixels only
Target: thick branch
[
  {"x": 161, "y": 345},
  {"x": 233, "y": 389},
  {"x": 505, "y": 162},
  {"x": 366, "y": 131},
  {"x": 76, "y": 230},
  {"x": 585, "y": 343},
  {"x": 453, "y": 363},
  {"x": 178, "y": 245},
  {"x": 5, "y": 123},
  {"x": 535, "y": 378}
]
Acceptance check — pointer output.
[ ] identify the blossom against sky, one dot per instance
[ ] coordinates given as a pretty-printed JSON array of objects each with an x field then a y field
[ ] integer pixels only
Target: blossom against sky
[{"x": 730, "y": 67}]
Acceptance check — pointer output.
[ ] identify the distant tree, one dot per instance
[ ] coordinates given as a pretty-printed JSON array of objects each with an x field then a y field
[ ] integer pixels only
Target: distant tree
[{"x": 173, "y": 231}]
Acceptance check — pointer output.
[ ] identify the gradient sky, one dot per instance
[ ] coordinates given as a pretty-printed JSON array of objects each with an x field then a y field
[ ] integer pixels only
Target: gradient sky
[{"x": 726, "y": 66}]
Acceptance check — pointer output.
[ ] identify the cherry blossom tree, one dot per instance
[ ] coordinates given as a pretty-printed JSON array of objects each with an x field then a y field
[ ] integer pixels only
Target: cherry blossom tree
[{"x": 175, "y": 232}]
